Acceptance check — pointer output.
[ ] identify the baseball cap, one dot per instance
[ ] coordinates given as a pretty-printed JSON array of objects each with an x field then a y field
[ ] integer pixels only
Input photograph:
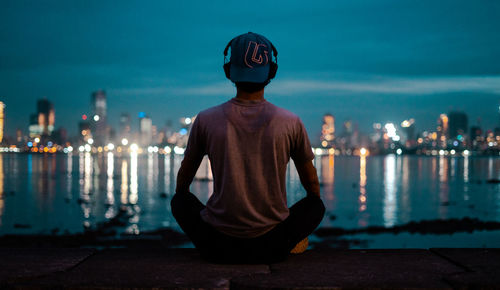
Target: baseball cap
[{"x": 251, "y": 55}]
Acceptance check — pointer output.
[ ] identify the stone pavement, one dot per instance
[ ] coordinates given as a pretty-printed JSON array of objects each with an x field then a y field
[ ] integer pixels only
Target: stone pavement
[{"x": 37, "y": 268}]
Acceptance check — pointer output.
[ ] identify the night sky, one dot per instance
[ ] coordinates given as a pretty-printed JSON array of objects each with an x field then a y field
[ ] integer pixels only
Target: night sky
[{"x": 370, "y": 61}]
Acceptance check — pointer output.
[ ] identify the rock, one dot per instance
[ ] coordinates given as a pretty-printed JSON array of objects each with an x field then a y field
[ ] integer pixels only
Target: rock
[
  {"x": 22, "y": 226},
  {"x": 493, "y": 181}
]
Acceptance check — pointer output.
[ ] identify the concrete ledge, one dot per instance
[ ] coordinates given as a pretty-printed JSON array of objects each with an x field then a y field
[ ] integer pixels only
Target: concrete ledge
[
  {"x": 24, "y": 264},
  {"x": 183, "y": 269}
]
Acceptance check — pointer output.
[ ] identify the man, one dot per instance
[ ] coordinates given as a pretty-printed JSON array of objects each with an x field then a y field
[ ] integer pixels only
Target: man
[{"x": 249, "y": 142}]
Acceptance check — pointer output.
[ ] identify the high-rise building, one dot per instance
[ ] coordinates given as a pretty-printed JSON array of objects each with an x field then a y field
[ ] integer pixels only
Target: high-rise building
[
  {"x": 84, "y": 129},
  {"x": 442, "y": 130},
  {"x": 146, "y": 129},
  {"x": 327, "y": 131},
  {"x": 408, "y": 127},
  {"x": 42, "y": 122},
  {"x": 2, "y": 106},
  {"x": 98, "y": 119},
  {"x": 458, "y": 125},
  {"x": 499, "y": 115},
  {"x": 476, "y": 137},
  {"x": 125, "y": 125}
]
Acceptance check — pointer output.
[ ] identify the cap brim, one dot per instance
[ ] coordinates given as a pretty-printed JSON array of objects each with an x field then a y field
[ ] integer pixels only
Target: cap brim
[{"x": 252, "y": 75}]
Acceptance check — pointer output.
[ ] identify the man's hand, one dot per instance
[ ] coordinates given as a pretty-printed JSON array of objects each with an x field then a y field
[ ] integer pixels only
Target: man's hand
[{"x": 308, "y": 177}]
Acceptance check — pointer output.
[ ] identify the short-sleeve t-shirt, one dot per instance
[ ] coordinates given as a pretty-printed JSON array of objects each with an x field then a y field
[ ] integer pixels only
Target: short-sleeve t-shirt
[{"x": 249, "y": 145}]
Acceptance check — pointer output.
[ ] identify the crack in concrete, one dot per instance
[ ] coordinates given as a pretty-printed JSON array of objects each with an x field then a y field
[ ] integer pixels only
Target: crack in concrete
[{"x": 456, "y": 263}]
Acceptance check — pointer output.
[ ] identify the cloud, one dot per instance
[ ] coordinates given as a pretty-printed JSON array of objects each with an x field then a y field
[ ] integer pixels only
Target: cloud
[
  {"x": 365, "y": 85},
  {"x": 391, "y": 85}
]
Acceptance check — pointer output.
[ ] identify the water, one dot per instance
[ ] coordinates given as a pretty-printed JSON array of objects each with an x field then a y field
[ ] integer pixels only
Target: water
[{"x": 67, "y": 193}]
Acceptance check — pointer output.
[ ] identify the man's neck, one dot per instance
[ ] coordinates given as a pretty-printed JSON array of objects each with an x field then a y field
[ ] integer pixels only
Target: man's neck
[{"x": 246, "y": 96}]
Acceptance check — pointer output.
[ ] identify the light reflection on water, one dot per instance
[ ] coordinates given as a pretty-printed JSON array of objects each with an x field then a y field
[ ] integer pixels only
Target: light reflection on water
[{"x": 70, "y": 192}]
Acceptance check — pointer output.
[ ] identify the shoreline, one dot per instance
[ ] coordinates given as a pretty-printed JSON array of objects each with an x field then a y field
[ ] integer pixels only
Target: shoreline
[{"x": 107, "y": 235}]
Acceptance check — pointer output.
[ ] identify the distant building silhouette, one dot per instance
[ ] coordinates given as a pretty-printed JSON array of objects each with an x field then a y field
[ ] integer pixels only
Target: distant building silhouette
[
  {"x": 84, "y": 129},
  {"x": 458, "y": 124},
  {"x": 98, "y": 120},
  {"x": 125, "y": 125},
  {"x": 2, "y": 117},
  {"x": 408, "y": 128},
  {"x": 145, "y": 129},
  {"x": 327, "y": 131},
  {"x": 42, "y": 122},
  {"x": 476, "y": 137},
  {"x": 442, "y": 130}
]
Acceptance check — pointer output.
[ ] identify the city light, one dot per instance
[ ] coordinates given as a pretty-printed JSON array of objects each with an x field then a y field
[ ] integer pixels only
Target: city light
[
  {"x": 178, "y": 150},
  {"x": 450, "y": 136},
  {"x": 70, "y": 149},
  {"x": 391, "y": 131},
  {"x": 134, "y": 147}
]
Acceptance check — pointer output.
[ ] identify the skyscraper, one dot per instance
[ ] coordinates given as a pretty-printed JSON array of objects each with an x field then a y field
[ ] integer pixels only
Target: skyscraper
[
  {"x": 442, "y": 130},
  {"x": 42, "y": 122},
  {"x": 98, "y": 118},
  {"x": 125, "y": 125},
  {"x": 146, "y": 129},
  {"x": 458, "y": 124},
  {"x": 2, "y": 106},
  {"x": 476, "y": 137},
  {"x": 327, "y": 131},
  {"x": 408, "y": 127}
]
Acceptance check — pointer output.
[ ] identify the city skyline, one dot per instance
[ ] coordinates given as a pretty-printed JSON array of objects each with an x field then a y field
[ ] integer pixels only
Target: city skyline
[
  {"x": 95, "y": 119},
  {"x": 370, "y": 61},
  {"x": 452, "y": 134}
]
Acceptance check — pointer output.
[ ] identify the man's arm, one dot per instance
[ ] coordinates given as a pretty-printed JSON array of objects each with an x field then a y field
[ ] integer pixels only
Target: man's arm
[
  {"x": 195, "y": 150},
  {"x": 308, "y": 177},
  {"x": 186, "y": 173}
]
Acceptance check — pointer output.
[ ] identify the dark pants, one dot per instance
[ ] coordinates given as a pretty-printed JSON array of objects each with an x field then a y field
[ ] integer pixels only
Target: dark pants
[{"x": 273, "y": 246}]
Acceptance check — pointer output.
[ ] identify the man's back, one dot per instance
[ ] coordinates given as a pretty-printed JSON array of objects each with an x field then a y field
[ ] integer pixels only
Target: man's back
[
  {"x": 249, "y": 145},
  {"x": 249, "y": 142}
]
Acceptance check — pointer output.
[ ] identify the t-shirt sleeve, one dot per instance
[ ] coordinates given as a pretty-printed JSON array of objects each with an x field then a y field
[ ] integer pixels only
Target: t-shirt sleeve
[
  {"x": 301, "y": 147},
  {"x": 196, "y": 148}
]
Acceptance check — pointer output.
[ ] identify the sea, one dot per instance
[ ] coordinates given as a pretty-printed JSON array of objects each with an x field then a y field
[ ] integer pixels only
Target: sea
[{"x": 385, "y": 201}]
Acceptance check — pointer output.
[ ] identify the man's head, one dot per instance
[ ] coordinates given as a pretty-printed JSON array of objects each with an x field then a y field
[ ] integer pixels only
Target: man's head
[{"x": 251, "y": 65}]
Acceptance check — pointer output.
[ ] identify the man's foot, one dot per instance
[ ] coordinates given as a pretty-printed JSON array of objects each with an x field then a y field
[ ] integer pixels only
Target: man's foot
[{"x": 300, "y": 247}]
